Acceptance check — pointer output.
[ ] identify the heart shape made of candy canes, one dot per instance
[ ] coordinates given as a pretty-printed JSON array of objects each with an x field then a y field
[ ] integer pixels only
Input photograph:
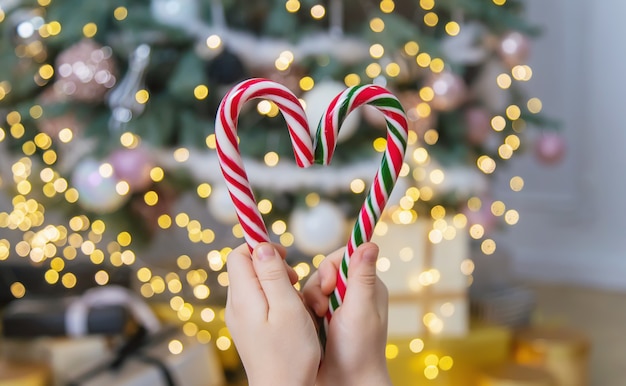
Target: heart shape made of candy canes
[{"x": 307, "y": 152}]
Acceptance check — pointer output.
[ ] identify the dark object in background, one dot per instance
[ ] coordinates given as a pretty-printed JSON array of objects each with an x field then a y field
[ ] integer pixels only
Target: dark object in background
[
  {"x": 32, "y": 278},
  {"x": 45, "y": 316}
]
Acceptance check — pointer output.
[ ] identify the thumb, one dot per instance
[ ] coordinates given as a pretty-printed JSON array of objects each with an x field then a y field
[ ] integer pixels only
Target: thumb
[{"x": 362, "y": 277}]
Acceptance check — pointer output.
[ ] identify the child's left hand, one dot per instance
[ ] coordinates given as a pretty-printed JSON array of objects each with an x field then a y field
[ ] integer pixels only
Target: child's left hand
[{"x": 272, "y": 329}]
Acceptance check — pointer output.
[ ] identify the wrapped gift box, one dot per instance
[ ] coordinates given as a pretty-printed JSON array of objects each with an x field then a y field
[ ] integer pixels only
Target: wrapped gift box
[
  {"x": 447, "y": 361},
  {"x": 426, "y": 280},
  {"x": 168, "y": 358},
  {"x": 61, "y": 354},
  {"x": 23, "y": 374}
]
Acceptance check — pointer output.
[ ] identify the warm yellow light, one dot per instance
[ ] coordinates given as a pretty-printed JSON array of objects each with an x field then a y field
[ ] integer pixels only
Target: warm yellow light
[
  {"x": 201, "y": 92},
  {"x": 498, "y": 123},
  {"x": 151, "y": 198},
  {"x": 318, "y": 11},
  {"x": 142, "y": 96},
  {"x": 120, "y": 13},
  {"x": 213, "y": 42},
  {"x": 377, "y": 51},
  {"x": 486, "y": 164},
  {"x": 373, "y": 70},
  {"x": 90, "y": 30},
  {"x": 427, "y": 4},
  {"x": 387, "y": 6},
  {"x": 271, "y": 159},
  {"x": 431, "y": 19},
  {"x": 488, "y": 246},
  {"x": 504, "y": 81},
  {"x": 411, "y": 48},
  {"x": 391, "y": 351},
  {"x": 453, "y": 28},
  {"x": 377, "y": 24},
  {"x": 357, "y": 186},
  {"x": 292, "y": 6},
  {"x": 393, "y": 69},
  {"x": 306, "y": 83},
  {"x": 352, "y": 80},
  {"x": 423, "y": 59},
  {"x": 516, "y": 183},
  {"x": 534, "y": 105}
]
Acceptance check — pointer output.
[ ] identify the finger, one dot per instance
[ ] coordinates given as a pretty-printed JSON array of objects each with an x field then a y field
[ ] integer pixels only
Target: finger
[
  {"x": 244, "y": 289},
  {"x": 282, "y": 251},
  {"x": 362, "y": 279},
  {"x": 314, "y": 298},
  {"x": 273, "y": 277},
  {"x": 328, "y": 271}
]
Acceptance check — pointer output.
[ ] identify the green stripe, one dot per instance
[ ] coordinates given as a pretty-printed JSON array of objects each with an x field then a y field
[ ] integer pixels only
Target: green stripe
[{"x": 334, "y": 303}]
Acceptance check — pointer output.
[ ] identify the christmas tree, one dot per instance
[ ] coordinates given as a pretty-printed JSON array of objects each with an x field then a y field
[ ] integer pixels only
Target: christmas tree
[{"x": 108, "y": 111}]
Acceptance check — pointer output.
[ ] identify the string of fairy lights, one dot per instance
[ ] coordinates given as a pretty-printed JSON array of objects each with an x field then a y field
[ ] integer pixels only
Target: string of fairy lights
[{"x": 54, "y": 245}]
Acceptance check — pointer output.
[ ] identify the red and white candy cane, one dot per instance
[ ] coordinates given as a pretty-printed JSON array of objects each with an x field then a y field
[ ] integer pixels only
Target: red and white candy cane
[
  {"x": 234, "y": 172},
  {"x": 229, "y": 157}
]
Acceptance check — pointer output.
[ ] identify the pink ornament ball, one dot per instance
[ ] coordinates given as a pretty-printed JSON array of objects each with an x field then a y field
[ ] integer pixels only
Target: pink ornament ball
[
  {"x": 550, "y": 148},
  {"x": 514, "y": 48},
  {"x": 449, "y": 90},
  {"x": 478, "y": 124},
  {"x": 85, "y": 71},
  {"x": 132, "y": 166}
]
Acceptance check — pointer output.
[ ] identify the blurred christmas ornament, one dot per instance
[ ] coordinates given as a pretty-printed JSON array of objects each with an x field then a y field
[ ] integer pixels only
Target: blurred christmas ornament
[
  {"x": 122, "y": 99},
  {"x": 467, "y": 46},
  {"x": 150, "y": 213},
  {"x": 221, "y": 206},
  {"x": 96, "y": 192},
  {"x": 226, "y": 68},
  {"x": 316, "y": 101},
  {"x": 487, "y": 90},
  {"x": 320, "y": 229},
  {"x": 449, "y": 90},
  {"x": 478, "y": 123},
  {"x": 550, "y": 148},
  {"x": 85, "y": 71},
  {"x": 53, "y": 121},
  {"x": 175, "y": 13},
  {"x": 514, "y": 48},
  {"x": 132, "y": 166},
  {"x": 420, "y": 115},
  {"x": 25, "y": 24}
]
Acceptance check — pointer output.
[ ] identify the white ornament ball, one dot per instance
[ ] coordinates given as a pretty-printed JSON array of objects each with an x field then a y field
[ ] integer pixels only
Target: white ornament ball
[
  {"x": 221, "y": 206},
  {"x": 96, "y": 192},
  {"x": 318, "y": 99},
  {"x": 320, "y": 229},
  {"x": 176, "y": 13}
]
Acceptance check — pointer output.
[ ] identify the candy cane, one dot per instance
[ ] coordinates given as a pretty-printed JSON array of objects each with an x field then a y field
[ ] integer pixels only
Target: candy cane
[
  {"x": 234, "y": 173},
  {"x": 229, "y": 157},
  {"x": 386, "y": 176}
]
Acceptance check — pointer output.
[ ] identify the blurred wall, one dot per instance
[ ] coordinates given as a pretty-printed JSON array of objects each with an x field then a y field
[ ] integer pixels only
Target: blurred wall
[{"x": 572, "y": 216}]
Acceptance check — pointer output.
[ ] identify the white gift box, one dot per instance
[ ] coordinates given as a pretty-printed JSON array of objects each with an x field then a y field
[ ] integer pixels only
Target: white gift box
[
  {"x": 423, "y": 264},
  {"x": 62, "y": 354}
]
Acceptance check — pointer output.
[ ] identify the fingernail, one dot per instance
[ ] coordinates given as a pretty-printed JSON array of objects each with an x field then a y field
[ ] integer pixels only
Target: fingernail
[
  {"x": 265, "y": 252},
  {"x": 370, "y": 254}
]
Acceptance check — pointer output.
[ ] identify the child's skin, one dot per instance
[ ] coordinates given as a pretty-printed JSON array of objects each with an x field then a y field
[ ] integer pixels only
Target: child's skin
[{"x": 274, "y": 331}]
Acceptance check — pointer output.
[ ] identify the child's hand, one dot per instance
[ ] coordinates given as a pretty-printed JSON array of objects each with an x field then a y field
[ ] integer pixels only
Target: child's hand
[
  {"x": 357, "y": 333},
  {"x": 272, "y": 329}
]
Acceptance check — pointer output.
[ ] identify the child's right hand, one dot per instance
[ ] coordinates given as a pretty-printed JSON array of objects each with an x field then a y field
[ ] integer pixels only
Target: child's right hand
[{"x": 357, "y": 334}]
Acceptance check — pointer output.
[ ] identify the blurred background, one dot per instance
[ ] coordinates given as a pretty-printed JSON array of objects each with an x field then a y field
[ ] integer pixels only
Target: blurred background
[{"x": 499, "y": 245}]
